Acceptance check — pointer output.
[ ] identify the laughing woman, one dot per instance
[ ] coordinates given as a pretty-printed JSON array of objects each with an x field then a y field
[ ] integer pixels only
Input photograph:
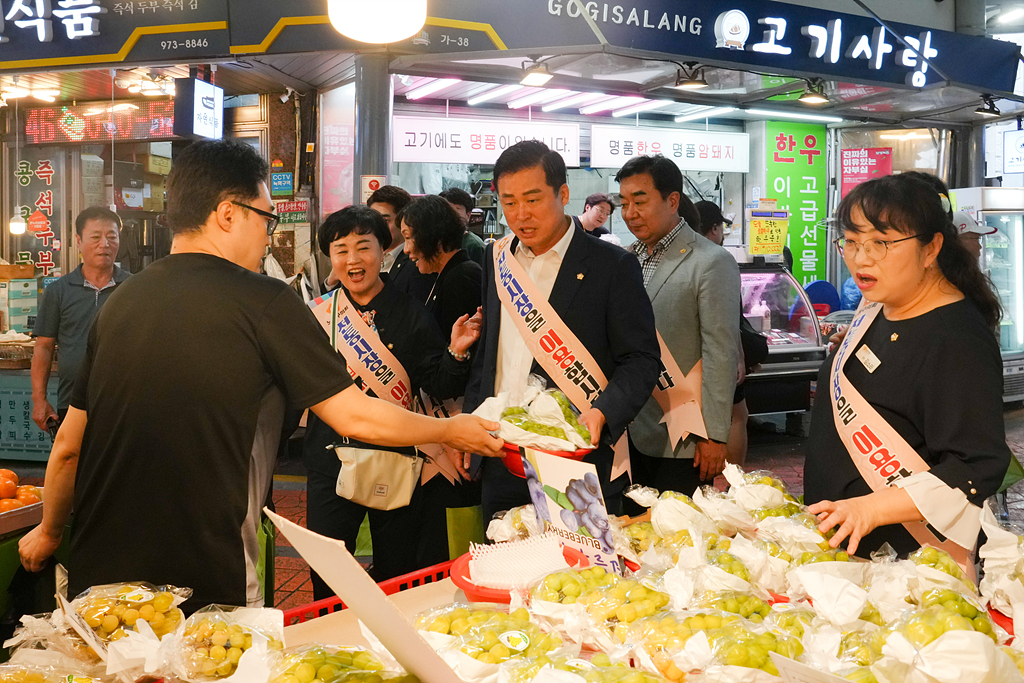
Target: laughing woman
[
  {"x": 908, "y": 441},
  {"x": 393, "y": 324}
]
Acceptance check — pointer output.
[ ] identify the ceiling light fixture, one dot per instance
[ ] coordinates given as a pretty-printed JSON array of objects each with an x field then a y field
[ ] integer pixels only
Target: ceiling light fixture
[
  {"x": 614, "y": 103},
  {"x": 647, "y": 105},
  {"x": 1010, "y": 15},
  {"x": 536, "y": 75},
  {"x": 536, "y": 97},
  {"x": 989, "y": 108},
  {"x": 691, "y": 77},
  {"x": 493, "y": 94},
  {"x": 430, "y": 88},
  {"x": 381, "y": 21},
  {"x": 574, "y": 101},
  {"x": 706, "y": 113},
  {"x": 772, "y": 114},
  {"x": 814, "y": 94},
  {"x": 13, "y": 92}
]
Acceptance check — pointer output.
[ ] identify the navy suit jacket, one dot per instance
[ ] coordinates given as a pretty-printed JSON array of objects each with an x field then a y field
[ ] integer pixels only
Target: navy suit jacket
[{"x": 609, "y": 312}]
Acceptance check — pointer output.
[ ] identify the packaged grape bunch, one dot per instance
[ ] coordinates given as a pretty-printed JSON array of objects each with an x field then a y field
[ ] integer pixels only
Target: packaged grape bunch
[
  {"x": 545, "y": 419},
  {"x": 641, "y": 544},
  {"x": 50, "y": 641},
  {"x": 723, "y": 511},
  {"x": 671, "y": 512},
  {"x": 598, "y": 669},
  {"x": 329, "y": 664},
  {"x": 1003, "y": 552},
  {"x": 16, "y": 673},
  {"x": 742, "y": 654},
  {"x": 229, "y": 643},
  {"x": 514, "y": 525},
  {"x": 937, "y": 569},
  {"x": 676, "y": 643},
  {"x": 760, "y": 490}
]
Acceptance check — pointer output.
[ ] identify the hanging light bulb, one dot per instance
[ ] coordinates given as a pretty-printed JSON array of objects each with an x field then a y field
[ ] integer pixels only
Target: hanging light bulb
[
  {"x": 17, "y": 225},
  {"x": 383, "y": 21}
]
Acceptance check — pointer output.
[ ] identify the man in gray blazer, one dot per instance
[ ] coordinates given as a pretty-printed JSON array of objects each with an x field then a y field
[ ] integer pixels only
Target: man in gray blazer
[{"x": 694, "y": 286}]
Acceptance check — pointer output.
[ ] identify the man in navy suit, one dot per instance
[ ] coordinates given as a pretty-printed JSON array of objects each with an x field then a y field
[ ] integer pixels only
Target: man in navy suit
[{"x": 596, "y": 289}]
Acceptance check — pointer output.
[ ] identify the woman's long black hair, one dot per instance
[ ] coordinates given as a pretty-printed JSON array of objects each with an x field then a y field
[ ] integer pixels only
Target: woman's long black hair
[{"x": 911, "y": 206}]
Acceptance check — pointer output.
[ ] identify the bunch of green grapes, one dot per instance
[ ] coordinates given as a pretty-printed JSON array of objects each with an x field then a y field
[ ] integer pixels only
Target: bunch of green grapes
[
  {"x": 925, "y": 625},
  {"x": 512, "y": 410},
  {"x": 735, "y": 645},
  {"x": 766, "y": 479},
  {"x": 110, "y": 613},
  {"x": 830, "y": 555},
  {"x": 15, "y": 673},
  {"x": 567, "y": 587},
  {"x": 525, "y": 422},
  {"x": 871, "y": 614},
  {"x": 793, "y": 621},
  {"x": 787, "y": 510},
  {"x": 1016, "y": 655},
  {"x": 570, "y": 415},
  {"x": 675, "y": 495},
  {"x": 323, "y": 664},
  {"x": 941, "y": 560},
  {"x": 642, "y": 536},
  {"x": 457, "y": 620},
  {"x": 717, "y": 542},
  {"x": 955, "y": 603},
  {"x": 216, "y": 647},
  {"x": 747, "y": 606},
  {"x": 775, "y": 550},
  {"x": 861, "y": 674},
  {"x": 500, "y": 637},
  {"x": 862, "y": 649},
  {"x": 664, "y": 636},
  {"x": 811, "y": 522},
  {"x": 598, "y": 670},
  {"x": 729, "y": 563},
  {"x": 622, "y": 603}
]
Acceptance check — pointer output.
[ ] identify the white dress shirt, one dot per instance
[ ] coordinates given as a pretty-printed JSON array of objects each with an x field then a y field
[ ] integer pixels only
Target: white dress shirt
[
  {"x": 514, "y": 357},
  {"x": 390, "y": 256}
]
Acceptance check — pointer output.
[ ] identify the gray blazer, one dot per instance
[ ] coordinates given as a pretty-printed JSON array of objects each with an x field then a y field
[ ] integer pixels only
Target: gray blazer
[{"x": 695, "y": 292}]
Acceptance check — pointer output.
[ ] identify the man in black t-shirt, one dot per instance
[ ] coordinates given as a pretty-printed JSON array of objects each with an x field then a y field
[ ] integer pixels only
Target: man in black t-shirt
[{"x": 187, "y": 366}]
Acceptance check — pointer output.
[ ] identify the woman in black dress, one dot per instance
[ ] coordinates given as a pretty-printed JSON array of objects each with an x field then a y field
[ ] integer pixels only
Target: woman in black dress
[{"x": 907, "y": 437}]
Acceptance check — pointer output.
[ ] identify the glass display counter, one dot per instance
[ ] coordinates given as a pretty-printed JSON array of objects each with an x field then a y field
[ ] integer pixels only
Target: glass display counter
[{"x": 776, "y": 306}]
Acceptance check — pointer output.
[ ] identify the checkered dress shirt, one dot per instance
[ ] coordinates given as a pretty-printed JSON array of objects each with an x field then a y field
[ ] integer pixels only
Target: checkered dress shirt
[{"x": 649, "y": 262}]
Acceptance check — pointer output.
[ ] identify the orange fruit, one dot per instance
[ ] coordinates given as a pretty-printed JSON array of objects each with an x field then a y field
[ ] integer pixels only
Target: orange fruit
[
  {"x": 28, "y": 495},
  {"x": 8, "y": 474},
  {"x": 8, "y": 504},
  {"x": 8, "y": 489}
]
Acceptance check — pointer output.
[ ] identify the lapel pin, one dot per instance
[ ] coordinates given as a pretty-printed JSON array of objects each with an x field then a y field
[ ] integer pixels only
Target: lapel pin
[
  {"x": 894, "y": 337},
  {"x": 579, "y": 276},
  {"x": 391, "y": 346},
  {"x": 682, "y": 251}
]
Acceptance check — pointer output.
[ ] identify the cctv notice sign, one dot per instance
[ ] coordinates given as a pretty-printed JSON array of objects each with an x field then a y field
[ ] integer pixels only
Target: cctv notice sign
[{"x": 1013, "y": 151}]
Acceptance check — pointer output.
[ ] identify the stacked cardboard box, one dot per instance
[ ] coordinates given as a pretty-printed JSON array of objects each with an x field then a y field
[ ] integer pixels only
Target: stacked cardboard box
[{"x": 22, "y": 304}]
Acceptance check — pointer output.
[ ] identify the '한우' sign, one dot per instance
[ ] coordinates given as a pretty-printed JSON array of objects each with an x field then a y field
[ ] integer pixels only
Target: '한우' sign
[
  {"x": 476, "y": 141},
  {"x": 692, "y": 150}
]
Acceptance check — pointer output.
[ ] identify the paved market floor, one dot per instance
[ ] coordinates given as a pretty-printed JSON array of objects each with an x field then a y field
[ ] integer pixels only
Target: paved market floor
[{"x": 771, "y": 448}]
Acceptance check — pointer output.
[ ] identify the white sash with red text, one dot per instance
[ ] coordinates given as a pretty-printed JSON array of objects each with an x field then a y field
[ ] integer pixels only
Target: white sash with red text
[{"x": 881, "y": 455}]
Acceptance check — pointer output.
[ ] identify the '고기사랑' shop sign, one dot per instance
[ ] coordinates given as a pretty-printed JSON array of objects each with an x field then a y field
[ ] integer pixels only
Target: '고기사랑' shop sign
[{"x": 476, "y": 141}]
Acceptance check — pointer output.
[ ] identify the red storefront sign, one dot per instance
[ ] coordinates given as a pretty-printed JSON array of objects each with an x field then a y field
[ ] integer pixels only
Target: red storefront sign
[{"x": 859, "y": 165}]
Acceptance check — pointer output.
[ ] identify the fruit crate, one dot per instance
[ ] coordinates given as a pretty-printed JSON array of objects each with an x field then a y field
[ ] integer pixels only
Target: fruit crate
[{"x": 321, "y": 608}]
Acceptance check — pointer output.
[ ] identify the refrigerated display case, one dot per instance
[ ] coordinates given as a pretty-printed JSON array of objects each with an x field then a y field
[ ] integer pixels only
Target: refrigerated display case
[
  {"x": 1002, "y": 258},
  {"x": 777, "y": 306}
]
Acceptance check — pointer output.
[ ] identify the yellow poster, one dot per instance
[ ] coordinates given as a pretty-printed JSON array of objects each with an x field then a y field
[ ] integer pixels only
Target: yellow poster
[{"x": 767, "y": 235}]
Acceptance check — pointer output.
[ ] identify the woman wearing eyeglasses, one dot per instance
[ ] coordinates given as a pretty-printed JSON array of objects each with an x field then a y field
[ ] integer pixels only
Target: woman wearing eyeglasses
[{"x": 907, "y": 437}]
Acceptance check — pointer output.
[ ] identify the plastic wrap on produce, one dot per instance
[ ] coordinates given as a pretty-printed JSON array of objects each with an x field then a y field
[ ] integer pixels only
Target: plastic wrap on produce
[
  {"x": 954, "y": 657},
  {"x": 517, "y": 523},
  {"x": 1003, "y": 583},
  {"x": 231, "y": 644},
  {"x": 750, "y": 496},
  {"x": 888, "y": 582},
  {"x": 723, "y": 511},
  {"x": 836, "y": 599}
]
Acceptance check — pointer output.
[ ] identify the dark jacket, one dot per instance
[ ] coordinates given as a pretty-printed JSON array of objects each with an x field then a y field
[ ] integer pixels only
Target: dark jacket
[
  {"x": 599, "y": 293},
  {"x": 456, "y": 292},
  {"x": 407, "y": 278}
]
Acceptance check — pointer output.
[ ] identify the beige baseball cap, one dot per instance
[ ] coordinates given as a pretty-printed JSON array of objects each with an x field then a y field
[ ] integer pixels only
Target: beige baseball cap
[{"x": 964, "y": 222}]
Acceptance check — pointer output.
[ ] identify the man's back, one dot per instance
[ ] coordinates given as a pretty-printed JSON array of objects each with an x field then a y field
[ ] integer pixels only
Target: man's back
[{"x": 179, "y": 363}]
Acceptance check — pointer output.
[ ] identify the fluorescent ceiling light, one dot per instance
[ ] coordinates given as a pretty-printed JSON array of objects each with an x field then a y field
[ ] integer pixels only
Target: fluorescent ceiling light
[
  {"x": 706, "y": 113},
  {"x": 14, "y": 92},
  {"x": 907, "y": 136},
  {"x": 535, "y": 97},
  {"x": 123, "y": 106},
  {"x": 770, "y": 114},
  {"x": 44, "y": 98},
  {"x": 432, "y": 87},
  {"x": 45, "y": 93},
  {"x": 610, "y": 104},
  {"x": 536, "y": 76},
  {"x": 135, "y": 88},
  {"x": 575, "y": 100},
  {"x": 1010, "y": 15},
  {"x": 642, "y": 106},
  {"x": 493, "y": 94}
]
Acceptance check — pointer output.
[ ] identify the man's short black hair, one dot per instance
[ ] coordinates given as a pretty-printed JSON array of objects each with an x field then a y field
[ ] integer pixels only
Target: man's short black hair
[
  {"x": 459, "y": 197},
  {"x": 528, "y": 154},
  {"x": 96, "y": 213},
  {"x": 433, "y": 224},
  {"x": 392, "y": 195},
  {"x": 598, "y": 198},
  {"x": 361, "y": 220},
  {"x": 207, "y": 173},
  {"x": 666, "y": 175}
]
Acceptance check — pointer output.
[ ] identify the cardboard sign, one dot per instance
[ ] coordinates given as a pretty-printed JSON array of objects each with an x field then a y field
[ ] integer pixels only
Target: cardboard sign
[{"x": 569, "y": 502}]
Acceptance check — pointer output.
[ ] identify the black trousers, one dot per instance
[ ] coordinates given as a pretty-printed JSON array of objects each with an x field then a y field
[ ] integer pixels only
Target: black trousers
[
  {"x": 396, "y": 533},
  {"x": 664, "y": 474}
]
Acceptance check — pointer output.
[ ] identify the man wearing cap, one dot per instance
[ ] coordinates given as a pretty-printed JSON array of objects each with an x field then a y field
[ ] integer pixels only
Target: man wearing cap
[
  {"x": 712, "y": 222},
  {"x": 971, "y": 231}
]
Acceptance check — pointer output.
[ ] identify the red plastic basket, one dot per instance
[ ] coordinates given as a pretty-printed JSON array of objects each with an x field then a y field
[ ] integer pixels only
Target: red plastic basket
[
  {"x": 513, "y": 459},
  {"x": 321, "y": 608},
  {"x": 475, "y": 593}
]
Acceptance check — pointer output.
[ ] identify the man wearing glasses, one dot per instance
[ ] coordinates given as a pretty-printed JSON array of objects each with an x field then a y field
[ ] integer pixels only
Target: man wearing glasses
[
  {"x": 167, "y": 452},
  {"x": 597, "y": 209}
]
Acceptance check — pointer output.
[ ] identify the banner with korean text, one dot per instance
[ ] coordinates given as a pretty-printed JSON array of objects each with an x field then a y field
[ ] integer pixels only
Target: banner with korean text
[
  {"x": 860, "y": 165},
  {"x": 797, "y": 175},
  {"x": 692, "y": 150},
  {"x": 476, "y": 141},
  {"x": 36, "y": 191}
]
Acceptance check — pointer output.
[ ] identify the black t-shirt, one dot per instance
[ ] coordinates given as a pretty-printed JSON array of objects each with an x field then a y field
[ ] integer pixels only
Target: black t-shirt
[
  {"x": 939, "y": 385},
  {"x": 179, "y": 363}
]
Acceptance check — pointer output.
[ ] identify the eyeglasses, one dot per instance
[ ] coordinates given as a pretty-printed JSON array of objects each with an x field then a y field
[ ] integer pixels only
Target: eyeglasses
[
  {"x": 876, "y": 250},
  {"x": 272, "y": 219}
]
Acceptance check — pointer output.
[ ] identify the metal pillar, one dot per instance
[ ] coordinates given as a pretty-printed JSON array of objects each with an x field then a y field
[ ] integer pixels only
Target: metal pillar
[
  {"x": 970, "y": 157},
  {"x": 373, "y": 120}
]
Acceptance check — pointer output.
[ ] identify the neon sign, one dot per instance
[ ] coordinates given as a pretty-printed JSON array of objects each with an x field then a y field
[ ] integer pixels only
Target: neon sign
[{"x": 96, "y": 123}]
